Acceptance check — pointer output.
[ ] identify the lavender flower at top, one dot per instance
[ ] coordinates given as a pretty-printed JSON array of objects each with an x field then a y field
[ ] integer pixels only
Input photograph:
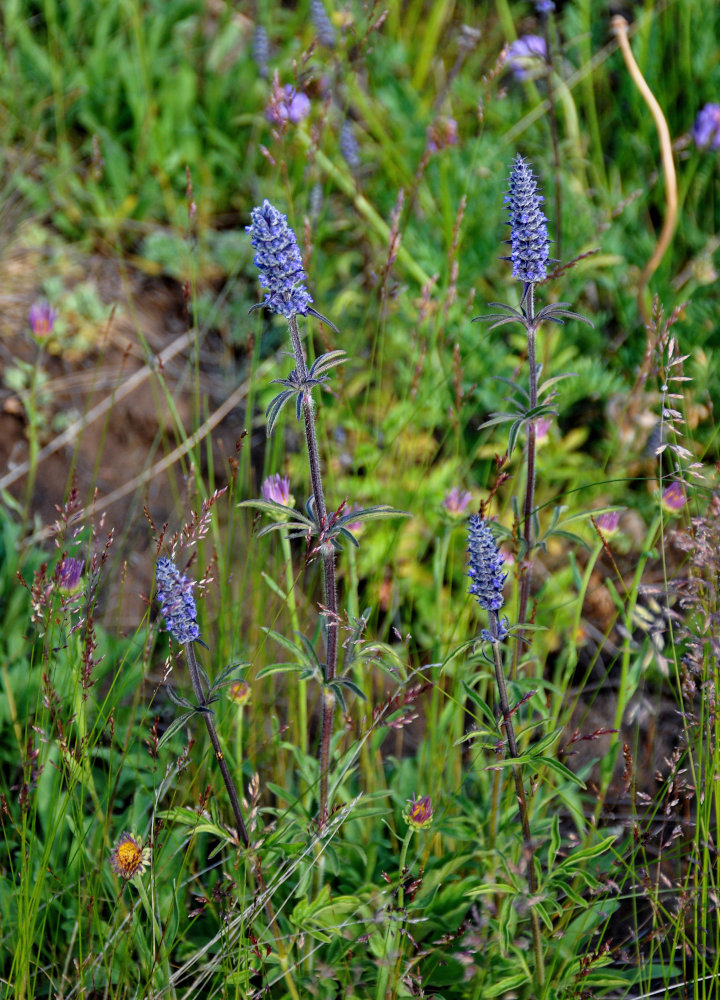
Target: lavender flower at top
[
  {"x": 706, "y": 130},
  {"x": 526, "y": 53},
  {"x": 485, "y": 565},
  {"x": 177, "y": 604},
  {"x": 279, "y": 262},
  {"x": 528, "y": 226}
]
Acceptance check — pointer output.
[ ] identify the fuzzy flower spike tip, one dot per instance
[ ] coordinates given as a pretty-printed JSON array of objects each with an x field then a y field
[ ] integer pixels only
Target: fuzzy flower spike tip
[{"x": 529, "y": 240}]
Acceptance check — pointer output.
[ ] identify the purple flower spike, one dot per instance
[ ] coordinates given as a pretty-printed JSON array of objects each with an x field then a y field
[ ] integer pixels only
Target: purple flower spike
[
  {"x": 177, "y": 604},
  {"x": 526, "y": 54},
  {"x": 706, "y": 130},
  {"x": 42, "y": 319},
  {"x": 279, "y": 262},
  {"x": 528, "y": 226},
  {"x": 485, "y": 565}
]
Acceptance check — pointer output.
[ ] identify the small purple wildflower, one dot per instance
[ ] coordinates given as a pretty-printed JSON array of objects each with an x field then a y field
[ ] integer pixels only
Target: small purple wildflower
[
  {"x": 673, "y": 498},
  {"x": 608, "y": 522},
  {"x": 526, "y": 54},
  {"x": 287, "y": 105},
  {"x": 544, "y": 6},
  {"x": 69, "y": 573},
  {"x": 279, "y": 262},
  {"x": 456, "y": 501},
  {"x": 277, "y": 488},
  {"x": 177, "y": 604},
  {"x": 42, "y": 319},
  {"x": 706, "y": 130},
  {"x": 542, "y": 429},
  {"x": 419, "y": 812},
  {"x": 528, "y": 226}
]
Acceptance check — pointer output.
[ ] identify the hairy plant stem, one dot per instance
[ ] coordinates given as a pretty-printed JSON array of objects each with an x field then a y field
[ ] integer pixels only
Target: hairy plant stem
[
  {"x": 328, "y": 563},
  {"x": 522, "y": 802},
  {"x": 526, "y": 562},
  {"x": 196, "y": 681}
]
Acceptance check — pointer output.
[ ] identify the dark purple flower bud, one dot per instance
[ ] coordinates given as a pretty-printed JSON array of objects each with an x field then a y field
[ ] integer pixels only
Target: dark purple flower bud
[
  {"x": 706, "y": 130},
  {"x": 322, "y": 23},
  {"x": 69, "y": 574},
  {"x": 485, "y": 565},
  {"x": 528, "y": 226},
  {"x": 526, "y": 54},
  {"x": 279, "y": 262},
  {"x": 177, "y": 604},
  {"x": 42, "y": 319}
]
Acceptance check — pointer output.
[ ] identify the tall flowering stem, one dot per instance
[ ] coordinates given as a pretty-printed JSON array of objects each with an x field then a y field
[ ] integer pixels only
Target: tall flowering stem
[
  {"x": 281, "y": 272},
  {"x": 529, "y": 256},
  {"x": 485, "y": 569},
  {"x": 174, "y": 592}
]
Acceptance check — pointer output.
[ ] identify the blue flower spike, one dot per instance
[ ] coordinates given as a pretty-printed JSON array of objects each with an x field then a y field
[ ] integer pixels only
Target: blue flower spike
[
  {"x": 177, "y": 604},
  {"x": 486, "y": 571}
]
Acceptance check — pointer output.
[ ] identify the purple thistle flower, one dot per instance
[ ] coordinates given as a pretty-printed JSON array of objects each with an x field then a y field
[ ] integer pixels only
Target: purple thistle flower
[
  {"x": 673, "y": 498},
  {"x": 523, "y": 55},
  {"x": 279, "y": 262},
  {"x": 69, "y": 573},
  {"x": 177, "y": 604},
  {"x": 419, "y": 812},
  {"x": 485, "y": 565},
  {"x": 277, "y": 488},
  {"x": 456, "y": 501},
  {"x": 608, "y": 522},
  {"x": 42, "y": 318},
  {"x": 528, "y": 226},
  {"x": 706, "y": 130}
]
